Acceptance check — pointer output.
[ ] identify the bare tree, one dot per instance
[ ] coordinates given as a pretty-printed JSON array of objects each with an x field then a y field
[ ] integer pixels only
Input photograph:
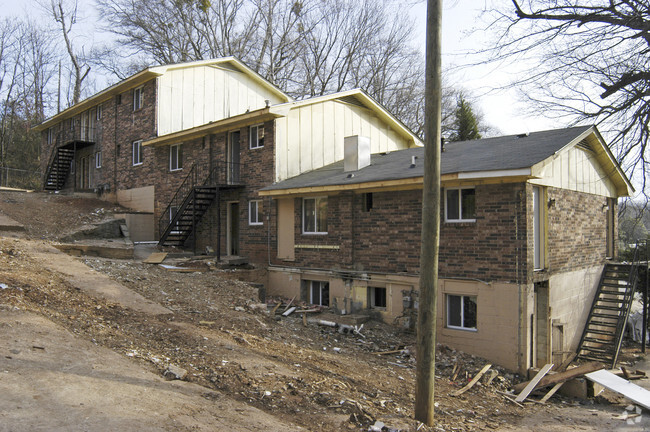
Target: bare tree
[
  {"x": 585, "y": 62},
  {"x": 64, "y": 13}
]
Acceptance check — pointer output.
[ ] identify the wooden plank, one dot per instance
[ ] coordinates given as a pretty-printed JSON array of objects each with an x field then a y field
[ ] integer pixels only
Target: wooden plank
[
  {"x": 566, "y": 363},
  {"x": 155, "y": 258},
  {"x": 473, "y": 381},
  {"x": 289, "y": 312},
  {"x": 276, "y": 308},
  {"x": 532, "y": 383},
  {"x": 563, "y": 376},
  {"x": 611, "y": 382},
  {"x": 551, "y": 392}
]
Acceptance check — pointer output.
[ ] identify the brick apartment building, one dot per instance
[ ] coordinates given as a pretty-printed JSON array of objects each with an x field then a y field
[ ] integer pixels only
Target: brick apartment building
[{"x": 326, "y": 194}]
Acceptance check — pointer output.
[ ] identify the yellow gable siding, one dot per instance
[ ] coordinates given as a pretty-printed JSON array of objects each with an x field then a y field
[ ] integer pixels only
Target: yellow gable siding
[
  {"x": 311, "y": 136},
  {"x": 575, "y": 169},
  {"x": 194, "y": 96}
]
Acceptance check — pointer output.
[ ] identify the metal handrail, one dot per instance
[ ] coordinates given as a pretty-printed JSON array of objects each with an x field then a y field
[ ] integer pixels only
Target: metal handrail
[{"x": 221, "y": 174}]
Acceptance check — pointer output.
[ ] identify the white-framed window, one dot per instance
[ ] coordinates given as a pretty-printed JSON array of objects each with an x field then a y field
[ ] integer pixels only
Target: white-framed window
[
  {"x": 98, "y": 159},
  {"x": 256, "y": 136},
  {"x": 50, "y": 136},
  {"x": 319, "y": 292},
  {"x": 460, "y": 204},
  {"x": 99, "y": 113},
  {"x": 175, "y": 157},
  {"x": 314, "y": 215},
  {"x": 137, "y": 152},
  {"x": 461, "y": 312},
  {"x": 255, "y": 212},
  {"x": 138, "y": 98},
  {"x": 377, "y": 297}
]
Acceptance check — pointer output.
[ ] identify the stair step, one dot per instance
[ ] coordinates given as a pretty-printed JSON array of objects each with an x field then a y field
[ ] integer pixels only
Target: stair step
[
  {"x": 608, "y": 308},
  {"x": 598, "y": 340},
  {"x": 607, "y": 316},
  {"x": 598, "y": 350},
  {"x": 601, "y": 332}
]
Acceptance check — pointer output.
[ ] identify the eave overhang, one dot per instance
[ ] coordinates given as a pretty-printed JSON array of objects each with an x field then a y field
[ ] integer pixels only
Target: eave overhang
[{"x": 230, "y": 123}]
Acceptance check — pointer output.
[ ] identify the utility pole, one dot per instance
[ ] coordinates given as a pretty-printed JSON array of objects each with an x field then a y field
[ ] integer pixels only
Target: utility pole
[{"x": 426, "y": 331}]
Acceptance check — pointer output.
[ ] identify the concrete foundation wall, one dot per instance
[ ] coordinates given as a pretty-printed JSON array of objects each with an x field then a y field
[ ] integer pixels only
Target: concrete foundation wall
[
  {"x": 139, "y": 199},
  {"x": 571, "y": 296},
  {"x": 140, "y": 226}
]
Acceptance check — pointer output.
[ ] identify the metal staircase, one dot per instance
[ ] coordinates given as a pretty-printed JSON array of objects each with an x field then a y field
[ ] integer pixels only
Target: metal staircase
[
  {"x": 603, "y": 333},
  {"x": 58, "y": 169},
  {"x": 192, "y": 199}
]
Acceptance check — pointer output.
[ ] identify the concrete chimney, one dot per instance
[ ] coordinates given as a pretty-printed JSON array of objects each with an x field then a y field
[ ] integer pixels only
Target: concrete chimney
[{"x": 356, "y": 152}]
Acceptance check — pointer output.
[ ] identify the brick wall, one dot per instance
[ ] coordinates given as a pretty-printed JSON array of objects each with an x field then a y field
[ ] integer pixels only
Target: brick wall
[
  {"x": 577, "y": 230},
  {"x": 256, "y": 172},
  {"x": 497, "y": 246},
  {"x": 117, "y": 128}
]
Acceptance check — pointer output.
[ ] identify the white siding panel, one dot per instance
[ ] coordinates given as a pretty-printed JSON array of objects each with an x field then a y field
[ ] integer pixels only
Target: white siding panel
[
  {"x": 210, "y": 95},
  {"x": 200, "y": 96},
  {"x": 293, "y": 138},
  {"x": 164, "y": 106},
  {"x": 281, "y": 150},
  {"x": 322, "y": 156},
  {"x": 187, "y": 101},
  {"x": 306, "y": 150},
  {"x": 176, "y": 106}
]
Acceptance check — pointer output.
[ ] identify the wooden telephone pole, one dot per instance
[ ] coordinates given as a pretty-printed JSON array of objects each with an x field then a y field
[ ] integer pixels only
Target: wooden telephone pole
[{"x": 426, "y": 331}]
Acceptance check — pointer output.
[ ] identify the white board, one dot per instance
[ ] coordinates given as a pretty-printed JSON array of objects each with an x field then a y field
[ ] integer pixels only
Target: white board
[{"x": 612, "y": 382}]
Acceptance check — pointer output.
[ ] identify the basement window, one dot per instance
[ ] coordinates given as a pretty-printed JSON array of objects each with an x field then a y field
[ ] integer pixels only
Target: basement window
[
  {"x": 460, "y": 205},
  {"x": 175, "y": 157},
  {"x": 256, "y": 136},
  {"x": 461, "y": 312},
  {"x": 255, "y": 212},
  {"x": 319, "y": 292},
  {"x": 377, "y": 297}
]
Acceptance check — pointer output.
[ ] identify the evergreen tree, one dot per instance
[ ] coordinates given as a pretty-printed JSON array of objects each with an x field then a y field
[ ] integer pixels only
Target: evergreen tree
[{"x": 465, "y": 123}]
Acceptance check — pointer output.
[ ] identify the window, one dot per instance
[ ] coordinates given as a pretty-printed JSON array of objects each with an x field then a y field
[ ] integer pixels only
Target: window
[
  {"x": 255, "y": 212},
  {"x": 137, "y": 98},
  {"x": 314, "y": 215},
  {"x": 98, "y": 159},
  {"x": 50, "y": 136},
  {"x": 319, "y": 292},
  {"x": 256, "y": 136},
  {"x": 461, "y": 312},
  {"x": 137, "y": 152},
  {"x": 367, "y": 202},
  {"x": 460, "y": 205},
  {"x": 376, "y": 297},
  {"x": 175, "y": 157},
  {"x": 118, "y": 99},
  {"x": 98, "y": 113}
]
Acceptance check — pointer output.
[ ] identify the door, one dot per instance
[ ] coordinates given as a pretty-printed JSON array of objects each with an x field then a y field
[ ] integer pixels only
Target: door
[
  {"x": 538, "y": 227},
  {"x": 84, "y": 172},
  {"x": 233, "y": 228},
  {"x": 286, "y": 222},
  {"x": 232, "y": 158},
  {"x": 542, "y": 327}
]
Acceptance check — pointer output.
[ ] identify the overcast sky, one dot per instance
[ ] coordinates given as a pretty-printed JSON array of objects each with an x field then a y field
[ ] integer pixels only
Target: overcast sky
[{"x": 500, "y": 109}]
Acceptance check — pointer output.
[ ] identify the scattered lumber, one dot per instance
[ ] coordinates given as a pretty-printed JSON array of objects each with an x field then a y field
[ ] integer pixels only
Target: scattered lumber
[
  {"x": 289, "y": 311},
  {"x": 289, "y": 305},
  {"x": 277, "y": 306},
  {"x": 551, "y": 392},
  {"x": 637, "y": 394},
  {"x": 155, "y": 258},
  {"x": 533, "y": 383},
  {"x": 566, "y": 363},
  {"x": 306, "y": 311},
  {"x": 550, "y": 380},
  {"x": 473, "y": 381}
]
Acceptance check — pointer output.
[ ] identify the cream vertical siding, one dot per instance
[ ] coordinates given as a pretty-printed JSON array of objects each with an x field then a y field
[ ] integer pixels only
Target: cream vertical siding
[
  {"x": 194, "y": 96},
  {"x": 311, "y": 136},
  {"x": 575, "y": 169}
]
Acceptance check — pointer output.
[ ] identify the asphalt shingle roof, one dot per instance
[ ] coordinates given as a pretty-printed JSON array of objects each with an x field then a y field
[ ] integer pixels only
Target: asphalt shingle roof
[{"x": 489, "y": 154}]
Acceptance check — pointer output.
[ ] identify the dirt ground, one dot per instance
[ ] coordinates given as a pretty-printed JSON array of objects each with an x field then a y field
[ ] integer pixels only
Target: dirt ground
[{"x": 305, "y": 375}]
